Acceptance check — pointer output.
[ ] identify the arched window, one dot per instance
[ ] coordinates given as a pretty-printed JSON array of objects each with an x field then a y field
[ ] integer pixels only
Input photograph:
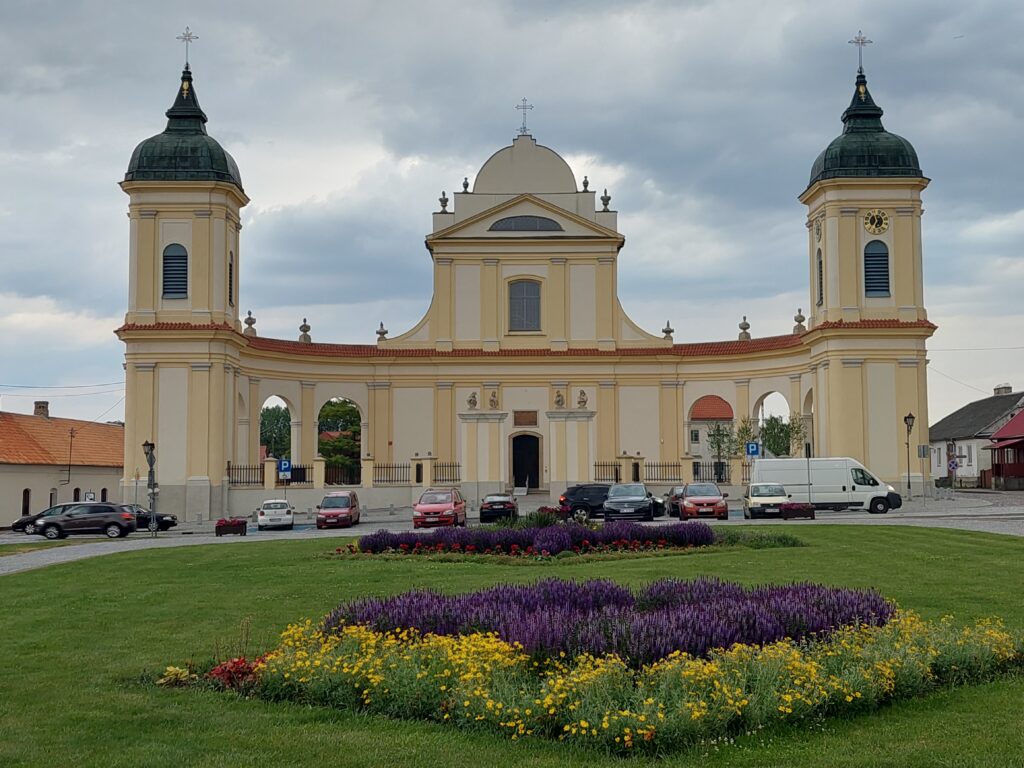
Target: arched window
[
  {"x": 876, "y": 269},
  {"x": 821, "y": 279},
  {"x": 77, "y": 496},
  {"x": 526, "y": 224},
  {"x": 175, "y": 271},
  {"x": 231, "y": 278},
  {"x": 26, "y": 501},
  {"x": 524, "y": 305},
  {"x": 103, "y": 494}
]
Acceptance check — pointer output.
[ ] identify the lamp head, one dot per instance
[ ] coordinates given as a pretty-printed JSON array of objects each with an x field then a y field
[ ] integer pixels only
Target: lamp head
[{"x": 909, "y": 420}]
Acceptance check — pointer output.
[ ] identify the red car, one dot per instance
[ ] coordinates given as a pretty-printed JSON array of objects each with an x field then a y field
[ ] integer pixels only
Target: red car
[
  {"x": 338, "y": 510},
  {"x": 439, "y": 506},
  {"x": 702, "y": 500}
]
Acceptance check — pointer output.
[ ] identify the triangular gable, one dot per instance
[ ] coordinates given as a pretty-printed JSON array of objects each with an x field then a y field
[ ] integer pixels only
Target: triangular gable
[
  {"x": 525, "y": 204},
  {"x": 1013, "y": 428}
]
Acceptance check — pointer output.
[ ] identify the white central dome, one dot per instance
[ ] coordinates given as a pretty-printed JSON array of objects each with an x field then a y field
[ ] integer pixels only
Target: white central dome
[{"x": 523, "y": 167}]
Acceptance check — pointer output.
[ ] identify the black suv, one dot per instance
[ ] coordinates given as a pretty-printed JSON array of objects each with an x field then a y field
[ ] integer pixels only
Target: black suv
[
  {"x": 587, "y": 497},
  {"x": 113, "y": 520}
]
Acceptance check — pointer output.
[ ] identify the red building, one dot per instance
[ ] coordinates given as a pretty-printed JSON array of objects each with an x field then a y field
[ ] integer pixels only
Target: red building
[{"x": 1008, "y": 455}]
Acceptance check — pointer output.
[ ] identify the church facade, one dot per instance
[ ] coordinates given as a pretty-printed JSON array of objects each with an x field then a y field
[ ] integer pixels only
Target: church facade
[{"x": 525, "y": 370}]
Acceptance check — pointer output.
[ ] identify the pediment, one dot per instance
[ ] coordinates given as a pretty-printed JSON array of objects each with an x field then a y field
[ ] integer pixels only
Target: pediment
[{"x": 525, "y": 216}]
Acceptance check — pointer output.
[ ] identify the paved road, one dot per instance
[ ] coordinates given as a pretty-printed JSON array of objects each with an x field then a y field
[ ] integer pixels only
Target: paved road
[{"x": 989, "y": 512}]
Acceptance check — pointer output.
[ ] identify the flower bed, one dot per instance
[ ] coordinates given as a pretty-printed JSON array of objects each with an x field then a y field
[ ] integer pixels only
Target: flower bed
[
  {"x": 547, "y": 541},
  {"x": 479, "y": 680},
  {"x": 555, "y": 617}
]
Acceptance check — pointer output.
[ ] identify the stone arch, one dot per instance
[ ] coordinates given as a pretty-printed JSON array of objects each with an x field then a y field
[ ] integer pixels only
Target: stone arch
[
  {"x": 705, "y": 412},
  {"x": 277, "y": 431},
  {"x": 807, "y": 413},
  {"x": 340, "y": 440}
]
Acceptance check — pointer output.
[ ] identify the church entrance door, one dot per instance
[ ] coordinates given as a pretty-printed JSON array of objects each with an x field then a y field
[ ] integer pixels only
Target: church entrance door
[{"x": 526, "y": 461}]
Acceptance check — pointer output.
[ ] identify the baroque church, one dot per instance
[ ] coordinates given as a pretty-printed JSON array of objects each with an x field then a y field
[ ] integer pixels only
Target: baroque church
[{"x": 525, "y": 370}]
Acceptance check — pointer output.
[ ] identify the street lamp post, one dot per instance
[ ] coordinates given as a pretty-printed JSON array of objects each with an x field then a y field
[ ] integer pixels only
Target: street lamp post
[
  {"x": 909, "y": 421},
  {"x": 148, "y": 450}
]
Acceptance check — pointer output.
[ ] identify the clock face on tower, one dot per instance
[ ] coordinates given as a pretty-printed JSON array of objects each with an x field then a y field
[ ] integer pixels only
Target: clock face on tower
[{"x": 876, "y": 221}]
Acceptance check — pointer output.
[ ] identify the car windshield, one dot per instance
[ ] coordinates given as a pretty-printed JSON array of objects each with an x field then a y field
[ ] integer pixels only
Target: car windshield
[
  {"x": 702, "y": 489},
  {"x": 767, "y": 490},
  {"x": 496, "y": 497},
  {"x": 336, "y": 502},
  {"x": 435, "y": 498},
  {"x": 275, "y": 505},
  {"x": 631, "y": 489}
]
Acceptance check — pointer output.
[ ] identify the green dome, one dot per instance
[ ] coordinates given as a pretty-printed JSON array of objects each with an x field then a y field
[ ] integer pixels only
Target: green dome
[
  {"x": 184, "y": 151},
  {"x": 865, "y": 149}
]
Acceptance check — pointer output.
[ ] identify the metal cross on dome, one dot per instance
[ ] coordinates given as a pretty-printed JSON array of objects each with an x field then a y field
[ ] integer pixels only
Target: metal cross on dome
[
  {"x": 524, "y": 131},
  {"x": 860, "y": 41},
  {"x": 187, "y": 37}
]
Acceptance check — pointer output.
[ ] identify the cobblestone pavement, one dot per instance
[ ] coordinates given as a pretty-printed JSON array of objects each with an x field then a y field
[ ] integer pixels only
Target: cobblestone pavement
[{"x": 969, "y": 510}]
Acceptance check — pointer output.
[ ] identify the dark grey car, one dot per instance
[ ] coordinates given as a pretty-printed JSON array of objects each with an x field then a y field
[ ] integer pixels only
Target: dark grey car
[
  {"x": 629, "y": 501},
  {"x": 112, "y": 520}
]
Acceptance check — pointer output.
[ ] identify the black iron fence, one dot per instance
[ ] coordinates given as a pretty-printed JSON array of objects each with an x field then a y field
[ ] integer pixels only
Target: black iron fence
[
  {"x": 711, "y": 472},
  {"x": 447, "y": 472},
  {"x": 392, "y": 474},
  {"x": 663, "y": 472},
  {"x": 301, "y": 474},
  {"x": 245, "y": 474},
  {"x": 343, "y": 475},
  {"x": 607, "y": 472}
]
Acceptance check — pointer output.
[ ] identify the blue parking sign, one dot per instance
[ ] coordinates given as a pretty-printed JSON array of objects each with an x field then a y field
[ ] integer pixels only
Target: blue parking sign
[
  {"x": 284, "y": 469},
  {"x": 753, "y": 449}
]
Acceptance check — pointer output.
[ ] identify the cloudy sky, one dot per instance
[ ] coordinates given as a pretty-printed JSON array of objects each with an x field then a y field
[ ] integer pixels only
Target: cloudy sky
[{"x": 347, "y": 119}]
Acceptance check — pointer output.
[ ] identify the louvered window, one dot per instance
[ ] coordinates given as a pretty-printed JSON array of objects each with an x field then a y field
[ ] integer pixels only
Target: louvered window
[
  {"x": 876, "y": 269},
  {"x": 821, "y": 280},
  {"x": 524, "y": 306},
  {"x": 175, "y": 272},
  {"x": 231, "y": 279}
]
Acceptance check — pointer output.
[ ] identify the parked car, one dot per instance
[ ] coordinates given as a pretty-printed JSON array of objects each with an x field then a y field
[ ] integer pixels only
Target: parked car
[
  {"x": 275, "y": 513},
  {"x": 834, "y": 483},
  {"x": 113, "y": 520},
  {"x": 498, "y": 505},
  {"x": 338, "y": 510},
  {"x": 439, "y": 506},
  {"x": 703, "y": 500},
  {"x": 629, "y": 501},
  {"x": 586, "y": 497},
  {"x": 164, "y": 521},
  {"x": 764, "y": 500},
  {"x": 29, "y": 523},
  {"x": 673, "y": 500}
]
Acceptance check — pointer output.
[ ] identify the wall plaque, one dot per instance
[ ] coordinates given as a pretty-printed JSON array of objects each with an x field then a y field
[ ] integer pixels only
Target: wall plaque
[{"x": 524, "y": 418}]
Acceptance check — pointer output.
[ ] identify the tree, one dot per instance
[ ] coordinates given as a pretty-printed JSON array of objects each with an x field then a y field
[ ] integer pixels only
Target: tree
[
  {"x": 746, "y": 432},
  {"x": 775, "y": 436},
  {"x": 276, "y": 431},
  {"x": 722, "y": 439},
  {"x": 797, "y": 434},
  {"x": 342, "y": 417}
]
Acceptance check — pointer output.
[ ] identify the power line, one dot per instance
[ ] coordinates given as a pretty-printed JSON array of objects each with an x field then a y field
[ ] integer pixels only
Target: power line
[
  {"x": 30, "y": 395},
  {"x": 110, "y": 409},
  {"x": 975, "y": 349},
  {"x": 961, "y": 383},
  {"x": 67, "y": 386}
]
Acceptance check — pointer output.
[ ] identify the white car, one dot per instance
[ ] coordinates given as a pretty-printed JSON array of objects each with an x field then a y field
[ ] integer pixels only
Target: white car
[
  {"x": 763, "y": 500},
  {"x": 275, "y": 513}
]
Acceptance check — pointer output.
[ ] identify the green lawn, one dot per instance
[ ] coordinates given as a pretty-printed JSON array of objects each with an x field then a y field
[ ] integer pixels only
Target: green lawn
[{"x": 77, "y": 637}]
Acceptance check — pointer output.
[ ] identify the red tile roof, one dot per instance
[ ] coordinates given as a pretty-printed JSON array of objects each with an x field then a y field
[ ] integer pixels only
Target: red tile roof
[
  {"x": 701, "y": 349},
  {"x": 176, "y": 327},
  {"x": 876, "y": 324},
  {"x": 42, "y": 440},
  {"x": 1013, "y": 428},
  {"x": 711, "y": 408}
]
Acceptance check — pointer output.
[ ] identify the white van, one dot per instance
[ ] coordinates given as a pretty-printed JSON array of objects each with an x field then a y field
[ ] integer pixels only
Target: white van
[{"x": 838, "y": 483}]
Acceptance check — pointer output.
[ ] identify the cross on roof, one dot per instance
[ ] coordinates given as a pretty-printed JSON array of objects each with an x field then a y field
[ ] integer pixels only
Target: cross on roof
[
  {"x": 187, "y": 37},
  {"x": 860, "y": 41},
  {"x": 524, "y": 131}
]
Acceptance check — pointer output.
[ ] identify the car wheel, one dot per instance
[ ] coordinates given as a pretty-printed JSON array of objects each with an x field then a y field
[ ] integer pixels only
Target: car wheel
[
  {"x": 878, "y": 506},
  {"x": 580, "y": 508},
  {"x": 114, "y": 531},
  {"x": 30, "y": 528},
  {"x": 52, "y": 532}
]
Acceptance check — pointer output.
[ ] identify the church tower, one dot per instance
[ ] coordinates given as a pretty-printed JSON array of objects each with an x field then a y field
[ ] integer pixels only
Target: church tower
[
  {"x": 868, "y": 323},
  {"x": 181, "y": 329}
]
